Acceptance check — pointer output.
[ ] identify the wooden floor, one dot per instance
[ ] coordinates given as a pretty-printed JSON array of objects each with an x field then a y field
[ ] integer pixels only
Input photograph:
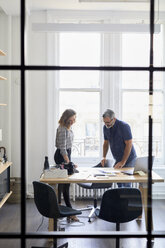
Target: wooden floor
[{"x": 10, "y": 222}]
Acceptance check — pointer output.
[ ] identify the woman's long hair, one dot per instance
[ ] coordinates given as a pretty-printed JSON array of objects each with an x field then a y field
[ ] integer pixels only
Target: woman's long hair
[{"x": 65, "y": 116}]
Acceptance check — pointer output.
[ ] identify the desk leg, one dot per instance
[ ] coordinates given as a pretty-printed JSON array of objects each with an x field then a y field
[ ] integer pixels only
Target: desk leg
[
  {"x": 50, "y": 225},
  {"x": 144, "y": 191}
]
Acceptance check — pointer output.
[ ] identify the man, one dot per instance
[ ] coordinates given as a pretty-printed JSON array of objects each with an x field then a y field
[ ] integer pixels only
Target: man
[{"x": 117, "y": 135}]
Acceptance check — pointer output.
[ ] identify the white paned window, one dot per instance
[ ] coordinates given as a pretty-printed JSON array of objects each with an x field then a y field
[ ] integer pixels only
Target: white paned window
[
  {"x": 90, "y": 93},
  {"x": 135, "y": 96},
  {"x": 80, "y": 90}
]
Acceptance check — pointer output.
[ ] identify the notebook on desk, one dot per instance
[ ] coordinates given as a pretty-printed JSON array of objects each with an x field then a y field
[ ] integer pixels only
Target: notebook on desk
[
  {"x": 55, "y": 173},
  {"x": 141, "y": 164}
]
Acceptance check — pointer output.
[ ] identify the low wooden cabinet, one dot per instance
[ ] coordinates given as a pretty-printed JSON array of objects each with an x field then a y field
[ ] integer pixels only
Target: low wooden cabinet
[{"x": 5, "y": 182}]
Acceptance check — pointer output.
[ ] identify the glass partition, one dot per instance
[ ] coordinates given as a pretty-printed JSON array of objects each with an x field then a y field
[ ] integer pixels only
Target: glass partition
[{"x": 90, "y": 58}]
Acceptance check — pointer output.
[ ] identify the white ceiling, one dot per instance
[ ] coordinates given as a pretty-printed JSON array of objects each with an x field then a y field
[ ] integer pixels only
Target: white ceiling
[{"x": 12, "y": 7}]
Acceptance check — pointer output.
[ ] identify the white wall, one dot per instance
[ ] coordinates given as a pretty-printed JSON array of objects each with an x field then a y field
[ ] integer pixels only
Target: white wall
[
  {"x": 36, "y": 96},
  {"x": 15, "y": 97},
  {"x": 36, "y": 99}
]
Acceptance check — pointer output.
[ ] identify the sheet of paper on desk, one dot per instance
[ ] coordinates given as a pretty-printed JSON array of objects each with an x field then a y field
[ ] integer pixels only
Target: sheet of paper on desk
[
  {"x": 104, "y": 177},
  {"x": 109, "y": 173},
  {"x": 79, "y": 176}
]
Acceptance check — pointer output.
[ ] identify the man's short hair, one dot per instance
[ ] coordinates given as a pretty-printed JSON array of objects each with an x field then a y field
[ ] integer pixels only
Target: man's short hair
[{"x": 109, "y": 113}]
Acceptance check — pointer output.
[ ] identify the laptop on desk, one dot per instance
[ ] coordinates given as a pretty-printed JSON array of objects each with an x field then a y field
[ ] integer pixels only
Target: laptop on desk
[{"x": 141, "y": 164}]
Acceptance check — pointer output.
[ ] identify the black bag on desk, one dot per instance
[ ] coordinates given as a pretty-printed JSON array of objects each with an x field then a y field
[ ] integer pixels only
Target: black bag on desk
[{"x": 70, "y": 167}]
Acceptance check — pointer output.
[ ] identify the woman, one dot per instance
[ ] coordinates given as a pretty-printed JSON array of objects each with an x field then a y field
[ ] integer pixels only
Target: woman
[{"x": 64, "y": 141}]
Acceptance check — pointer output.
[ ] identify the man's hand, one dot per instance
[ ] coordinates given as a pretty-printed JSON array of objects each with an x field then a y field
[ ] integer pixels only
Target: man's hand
[
  {"x": 103, "y": 161},
  {"x": 119, "y": 165},
  {"x": 105, "y": 150}
]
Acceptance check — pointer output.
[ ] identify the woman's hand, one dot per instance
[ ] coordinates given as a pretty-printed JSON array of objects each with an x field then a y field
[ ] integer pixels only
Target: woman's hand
[{"x": 66, "y": 159}]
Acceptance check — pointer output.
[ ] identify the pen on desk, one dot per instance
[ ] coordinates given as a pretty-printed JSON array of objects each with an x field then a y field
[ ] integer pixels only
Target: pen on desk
[{"x": 99, "y": 175}]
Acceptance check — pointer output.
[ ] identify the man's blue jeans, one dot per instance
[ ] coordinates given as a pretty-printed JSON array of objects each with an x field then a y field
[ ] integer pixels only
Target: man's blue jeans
[{"x": 128, "y": 185}]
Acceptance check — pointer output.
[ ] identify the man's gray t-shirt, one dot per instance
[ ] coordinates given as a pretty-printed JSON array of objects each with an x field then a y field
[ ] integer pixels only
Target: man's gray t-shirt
[{"x": 117, "y": 135}]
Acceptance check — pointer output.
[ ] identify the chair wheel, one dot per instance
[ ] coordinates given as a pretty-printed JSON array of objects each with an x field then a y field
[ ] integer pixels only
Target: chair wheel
[{"x": 89, "y": 220}]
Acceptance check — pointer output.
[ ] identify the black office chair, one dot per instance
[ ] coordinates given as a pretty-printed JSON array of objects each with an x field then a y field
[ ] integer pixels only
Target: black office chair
[
  {"x": 95, "y": 187},
  {"x": 46, "y": 203},
  {"x": 120, "y": 205}
]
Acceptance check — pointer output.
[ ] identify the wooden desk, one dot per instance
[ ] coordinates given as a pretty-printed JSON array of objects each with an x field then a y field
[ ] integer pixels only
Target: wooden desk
[{"x": 86, "y": 175}]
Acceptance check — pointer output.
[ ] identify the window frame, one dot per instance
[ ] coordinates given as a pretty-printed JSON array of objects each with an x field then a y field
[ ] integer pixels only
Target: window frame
[
  {"x": 158, "y": 162},
  {"x": 88, "y": 160},
  {"x": 80, "y": 160}
]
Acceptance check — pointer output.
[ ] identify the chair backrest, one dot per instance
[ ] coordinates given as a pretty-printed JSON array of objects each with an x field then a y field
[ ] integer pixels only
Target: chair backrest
[
  {"x": 46, "y": 200},
  {"x": 108, "y": 163},
  {"x": 121, "y": 205}
]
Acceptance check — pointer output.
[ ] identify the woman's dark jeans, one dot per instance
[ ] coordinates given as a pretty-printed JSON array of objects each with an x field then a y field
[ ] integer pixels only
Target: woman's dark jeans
[{"x": 64, "y": 188}]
